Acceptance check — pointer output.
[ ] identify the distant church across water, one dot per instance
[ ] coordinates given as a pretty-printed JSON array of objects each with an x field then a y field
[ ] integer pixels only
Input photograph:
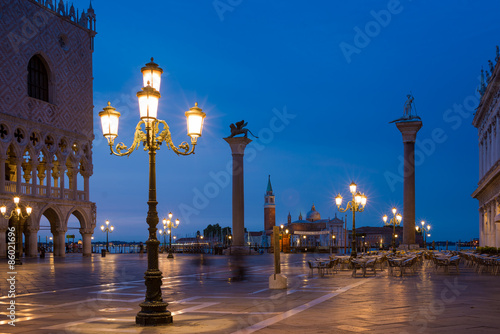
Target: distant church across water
[{"x": 311, "y": 232}]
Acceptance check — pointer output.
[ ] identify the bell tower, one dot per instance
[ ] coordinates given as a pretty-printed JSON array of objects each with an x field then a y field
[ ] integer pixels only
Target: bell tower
[{"x": 269, "y": 207}]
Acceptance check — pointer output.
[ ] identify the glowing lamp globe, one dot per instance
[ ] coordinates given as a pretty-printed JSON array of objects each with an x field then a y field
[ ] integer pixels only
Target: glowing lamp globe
[
  {"x": 352, "y": 188},
  {"x": 338, "y": 200},
  {"x": 109, "y": 122},
  {"x": 148, "y": 103},
  {"x": 151, "y": 75},
  {"x": 195, "y": 117}
]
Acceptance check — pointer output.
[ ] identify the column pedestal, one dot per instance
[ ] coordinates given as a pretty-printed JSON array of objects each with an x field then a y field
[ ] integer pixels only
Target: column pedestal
[
  {"x": 238, "y": 145},
  {"x": 409, "y": 131}
]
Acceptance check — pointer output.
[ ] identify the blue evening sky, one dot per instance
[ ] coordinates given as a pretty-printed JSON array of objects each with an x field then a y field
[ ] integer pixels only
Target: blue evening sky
[{"x": 318, "y": 93}]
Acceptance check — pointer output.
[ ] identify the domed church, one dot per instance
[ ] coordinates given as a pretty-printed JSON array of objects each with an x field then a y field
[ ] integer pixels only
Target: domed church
[{"x": 314, "y": 231}]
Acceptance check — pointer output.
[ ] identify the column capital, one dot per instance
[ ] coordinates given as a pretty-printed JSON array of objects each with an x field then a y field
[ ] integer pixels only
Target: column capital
[
  {"x": 409, "y": 130},
  {"x": 32, "y": 229},
  {"x": 59, "y": 230},
  {"x": 238, "y": 144},
  {"x": 86, "y": 231}
]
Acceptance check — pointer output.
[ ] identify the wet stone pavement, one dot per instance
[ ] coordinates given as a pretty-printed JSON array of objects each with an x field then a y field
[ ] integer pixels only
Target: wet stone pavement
[{"x": 101, "y": 295}]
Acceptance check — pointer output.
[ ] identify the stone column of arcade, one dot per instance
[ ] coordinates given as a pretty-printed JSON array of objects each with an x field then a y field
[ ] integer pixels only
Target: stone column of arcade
[
  {"x": 409, "y": 129},
  {"x": 87, "y": 242},
  {"x": 238, "y": 145},
  {"x": 31, "y": 241},
  {"x": 59, "y": 242}
]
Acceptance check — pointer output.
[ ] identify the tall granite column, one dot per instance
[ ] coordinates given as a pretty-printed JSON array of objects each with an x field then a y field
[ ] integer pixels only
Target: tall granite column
[
  {"x": 238, "y": 145},
  {"x": 409, "y": 129}
]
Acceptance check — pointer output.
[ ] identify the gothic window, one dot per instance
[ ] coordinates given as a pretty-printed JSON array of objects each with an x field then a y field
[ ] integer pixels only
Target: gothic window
[{"x": 38, "y": 79}]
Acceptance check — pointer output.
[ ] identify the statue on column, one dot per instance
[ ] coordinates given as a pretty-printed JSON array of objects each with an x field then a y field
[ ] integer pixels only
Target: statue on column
[
  {"x": 409, "y": 106},
  {"x": 239, "y": 128}
]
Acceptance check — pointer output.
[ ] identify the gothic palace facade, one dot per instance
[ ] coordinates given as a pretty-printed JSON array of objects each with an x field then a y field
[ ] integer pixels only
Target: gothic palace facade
[{"x": 46, "y": 122}]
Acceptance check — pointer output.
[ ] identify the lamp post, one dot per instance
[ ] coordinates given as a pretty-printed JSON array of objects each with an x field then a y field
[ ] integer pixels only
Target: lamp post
[
  {"x": 357, "y": 204},
  {"x": 46, "y": 243},
  {"x": 333, "y": 243},
  {"x": 169, "y": 224},
  {"x": 17, "y": 237},
  {"x": 156, "y": 132},
  {"x": 108, "y": 229},
  {"x": 423, "y": 230},
  {"x": 163, "y": 232},
  {"x": 396, "y": 220}
]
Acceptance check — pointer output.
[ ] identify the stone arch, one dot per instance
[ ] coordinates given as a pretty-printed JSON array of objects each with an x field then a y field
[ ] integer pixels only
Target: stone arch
[
  {"x": 81, "y": 215},
  {"x": 13, "y": 150},
  {"x": 54, "y": 216},
  {"x": 57, "y": 227}
]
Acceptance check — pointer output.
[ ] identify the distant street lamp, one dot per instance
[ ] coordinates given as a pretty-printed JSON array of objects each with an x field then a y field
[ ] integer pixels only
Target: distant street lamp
[
  {"x": 17, "y": 214},
  {"x": 423, "y": 230},
  {"x": 357, "y": 204},
  {"x": 333, "y": 242},
  {"x": 164, "y": 233},
  {"x": 396, "y": 220},
  {"x": 107, "y": 229},
  {"x": 168, "y": 223},
  {"x": 47, "y": 244},
  {"x": 153, "y": 310}
]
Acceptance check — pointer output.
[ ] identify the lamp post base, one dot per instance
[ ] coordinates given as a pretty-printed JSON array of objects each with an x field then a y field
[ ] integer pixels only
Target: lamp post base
[
  {"x": 170, "y": 256},
  {"x": 153, "y": 314}
]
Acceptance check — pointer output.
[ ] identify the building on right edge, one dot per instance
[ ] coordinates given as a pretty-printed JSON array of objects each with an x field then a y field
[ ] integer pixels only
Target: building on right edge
[{"x": 487, "y": 122}]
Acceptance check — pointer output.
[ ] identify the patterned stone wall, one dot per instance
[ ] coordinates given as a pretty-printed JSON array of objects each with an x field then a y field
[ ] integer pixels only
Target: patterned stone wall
[{"x": 29, "y": 28}]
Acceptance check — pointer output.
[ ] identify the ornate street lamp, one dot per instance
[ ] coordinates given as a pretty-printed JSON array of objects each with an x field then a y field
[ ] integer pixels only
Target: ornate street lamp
[
  {"x": 107, "y": 229},
  {"x": 423, "y": 230},
  {"x": 17, "y": 214},
  {"x": 357, "y": 204},
  {"x": 151, "y": 132},
  {"x": 169, "y": 224},
  {"x": 396, "y": 220},
  {"x": 164, "y": 233}
]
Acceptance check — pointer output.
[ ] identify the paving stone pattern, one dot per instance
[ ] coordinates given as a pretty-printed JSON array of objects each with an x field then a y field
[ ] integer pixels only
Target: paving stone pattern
[{"x": 101, "y": 295}]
